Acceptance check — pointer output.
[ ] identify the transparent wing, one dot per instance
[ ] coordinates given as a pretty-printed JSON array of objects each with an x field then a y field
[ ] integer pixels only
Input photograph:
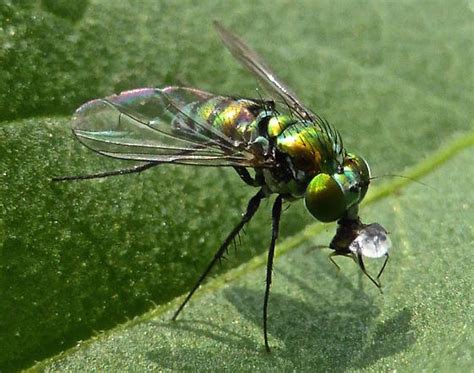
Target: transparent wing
[
  {"x": 255, "y": 64},
  {"x": 157, "y": 125}
]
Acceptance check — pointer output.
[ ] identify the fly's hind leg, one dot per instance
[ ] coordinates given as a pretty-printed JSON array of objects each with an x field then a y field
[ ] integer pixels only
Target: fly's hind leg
[
  {"x": 276, "y": 214},
  {"x": 100, "y": 175},
  {"x": 252, "y": 208}
]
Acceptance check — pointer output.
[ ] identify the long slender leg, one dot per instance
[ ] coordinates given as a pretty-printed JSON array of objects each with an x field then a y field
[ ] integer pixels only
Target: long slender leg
[
  {"x": 362, "y": 267},
  {"x": 249, "y": 213},
  {"x": 124, "y": 171},
  {"x": 383, "y": 267},
  {"x": 333, "y": 261},
  {"x": 276, "y": 214}
]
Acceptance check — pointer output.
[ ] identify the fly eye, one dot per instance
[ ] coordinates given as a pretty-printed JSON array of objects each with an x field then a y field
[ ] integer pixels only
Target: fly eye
[{"x": 324, "y": 198}]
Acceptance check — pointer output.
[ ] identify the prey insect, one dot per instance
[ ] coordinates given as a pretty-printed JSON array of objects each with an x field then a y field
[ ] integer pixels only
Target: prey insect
[{"x": 293, "y": 153}]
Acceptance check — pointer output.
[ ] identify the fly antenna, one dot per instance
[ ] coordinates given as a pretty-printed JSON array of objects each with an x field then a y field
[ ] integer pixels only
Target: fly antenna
[{"x": 405, "y": 177}]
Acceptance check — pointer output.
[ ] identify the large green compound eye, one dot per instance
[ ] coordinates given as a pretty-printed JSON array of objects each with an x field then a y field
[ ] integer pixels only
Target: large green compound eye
[
  {"x": 356, "y": 178},
  {"x": 324, "y": 198}
]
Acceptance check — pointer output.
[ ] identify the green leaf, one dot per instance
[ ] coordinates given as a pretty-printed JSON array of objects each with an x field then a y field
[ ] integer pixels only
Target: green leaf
[
  {"x": 77, "y": 258},
  {"x": 320, "y": 318}
]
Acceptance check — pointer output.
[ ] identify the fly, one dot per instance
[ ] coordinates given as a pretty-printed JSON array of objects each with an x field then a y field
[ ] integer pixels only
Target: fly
[{"x": 296, "y": 154}]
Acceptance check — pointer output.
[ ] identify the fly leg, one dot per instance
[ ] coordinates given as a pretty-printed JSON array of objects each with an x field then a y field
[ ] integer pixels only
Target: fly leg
[
  {"x": 276, "y": 214},
  {"x": 333, "y": 261},
  {"x": 252, "y": 208},
  {"x": 383, "y": 267},
  {"x": 247, "y": 179},
  {"x": 362, "y": 267},
  {"x": 124, "y": 171}
]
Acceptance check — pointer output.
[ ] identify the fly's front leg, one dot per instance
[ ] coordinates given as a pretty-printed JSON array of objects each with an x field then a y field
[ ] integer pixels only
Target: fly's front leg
[
  {"x": 360, "y": 261},
  {"x": 252, "y": 208},
  {"x": 276, "y": 214},
  {"x": 383, "y": 267}
]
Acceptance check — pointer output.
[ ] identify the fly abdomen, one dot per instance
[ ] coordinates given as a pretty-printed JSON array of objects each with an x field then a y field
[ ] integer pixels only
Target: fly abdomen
[{"x": 236, "y": 118}]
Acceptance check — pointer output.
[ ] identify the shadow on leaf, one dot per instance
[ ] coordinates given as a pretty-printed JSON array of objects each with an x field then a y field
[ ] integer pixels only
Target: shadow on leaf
[{"x": 332, "y": 334}]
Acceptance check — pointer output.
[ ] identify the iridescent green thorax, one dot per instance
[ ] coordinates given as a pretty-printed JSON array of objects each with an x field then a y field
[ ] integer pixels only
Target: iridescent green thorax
[{"x": 313, "y": 147}]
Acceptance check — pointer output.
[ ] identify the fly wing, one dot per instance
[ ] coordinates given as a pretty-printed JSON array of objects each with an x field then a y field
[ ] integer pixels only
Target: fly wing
[
  {"x": 157, "y": 125},
  {"x": 255, "y": 64}
]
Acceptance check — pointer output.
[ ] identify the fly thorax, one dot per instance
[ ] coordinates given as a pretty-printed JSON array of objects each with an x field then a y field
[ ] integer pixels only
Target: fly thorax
[
  {"x": 278, "y": 123},
  {"x": 306, "y": 145}
]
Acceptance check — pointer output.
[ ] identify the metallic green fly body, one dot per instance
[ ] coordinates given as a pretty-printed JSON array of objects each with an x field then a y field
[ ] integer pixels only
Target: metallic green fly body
[{"x": 293, "y": 154}]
